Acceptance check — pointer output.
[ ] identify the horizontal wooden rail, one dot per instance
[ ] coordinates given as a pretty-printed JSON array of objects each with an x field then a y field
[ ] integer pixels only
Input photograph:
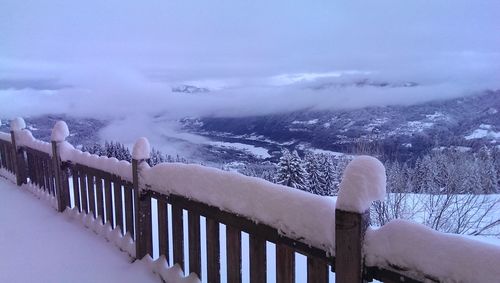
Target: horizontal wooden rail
[
  {"x": 235, "y": 224},
  {"x": 103, "y": 195}
]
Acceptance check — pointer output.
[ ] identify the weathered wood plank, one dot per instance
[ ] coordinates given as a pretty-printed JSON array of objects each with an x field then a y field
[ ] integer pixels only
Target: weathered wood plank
[
  {"x": 350, "y": 228},
  {"x": 163, "y": 228},
  {"x": 91, "y": 193},
  {"x": 194, "y": 243},
  {"x": 76, "y": 189},
  {"x": 83, "y": 190},
  {"x": 118, "y": 198},
  {"x": 258, "y": 270},
  {"x": 109, "y": 201},
  {"x": 29, "y": 160},
  {"x": 52, "y": 176},
  {"x": 129, "y": 210},
  {"x": 37, "y": 170},
  {"x": 143, "y": 227},
  {"x": 178, "y": 236},
  {"x": 100, "y": 198},
  {"x": 317, "y": 271},
  {"x": 233, "y": 254},
  {"x": 285, "y": 264},
  {"x": 45, "y": 176},
  {"x": 213, "y": 251},
  {"x": 266, "y": 232}
]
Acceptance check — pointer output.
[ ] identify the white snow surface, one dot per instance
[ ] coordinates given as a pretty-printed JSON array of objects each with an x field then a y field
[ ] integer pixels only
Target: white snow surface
[
  {"x": 60, "y": 132},
  {"x": 484, "y": 131},
  {"x": 364, "y": 181},
  {"x": 141, "y": 149},
  {"x": 447, "y": 257},
  {"x": 41, "y": 245},
  {"x": 259, "y": 152},
  {"x": 25, "y": 138},
  {"x": 294, "y": 213},
  {"x": 112, "y": 165},
  {"x": 5, "y": 136},
  {"x": 17, "y": 124}
]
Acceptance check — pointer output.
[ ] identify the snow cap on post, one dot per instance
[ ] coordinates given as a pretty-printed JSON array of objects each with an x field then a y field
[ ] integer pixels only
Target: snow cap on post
[
  {"x": 363, "y": 181},
  {"x": 141, "y": 149},
  {"x": 17, "y": 124},
  {"x": 60, "y": 132}
]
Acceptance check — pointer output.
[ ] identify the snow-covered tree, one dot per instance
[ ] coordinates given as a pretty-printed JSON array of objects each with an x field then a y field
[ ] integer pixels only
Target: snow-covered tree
[
  {"x": 290, "y": 172},
  {"x": 156, "y": 157},
  {"x": 330, "y": 177},
  {"x": 317, "y": 184}
]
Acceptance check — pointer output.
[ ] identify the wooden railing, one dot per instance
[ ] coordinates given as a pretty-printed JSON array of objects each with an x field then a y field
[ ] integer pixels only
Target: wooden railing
[{"x": 125, "y": 204}]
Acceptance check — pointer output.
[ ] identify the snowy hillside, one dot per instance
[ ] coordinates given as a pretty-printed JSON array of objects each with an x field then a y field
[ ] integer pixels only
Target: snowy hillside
[{"x": 403, "y": 132}]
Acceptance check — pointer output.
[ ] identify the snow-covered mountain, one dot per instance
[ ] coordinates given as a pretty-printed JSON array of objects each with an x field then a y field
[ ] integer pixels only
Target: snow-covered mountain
[
  {"x": 397, "y": 131},
  {"x": 402, "y": 132}
]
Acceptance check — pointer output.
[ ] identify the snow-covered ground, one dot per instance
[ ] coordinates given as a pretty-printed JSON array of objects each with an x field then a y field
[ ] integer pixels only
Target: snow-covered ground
[
  {"x": 40, "y": 245},
  {"x": 256, "y": 151},
  {"x": 484, "y": 131}
]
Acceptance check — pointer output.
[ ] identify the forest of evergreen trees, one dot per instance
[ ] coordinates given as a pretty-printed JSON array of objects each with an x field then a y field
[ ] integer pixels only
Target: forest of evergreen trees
[
  {"x": 442, "y": 171},
  {"x": 448, "y": 190}
]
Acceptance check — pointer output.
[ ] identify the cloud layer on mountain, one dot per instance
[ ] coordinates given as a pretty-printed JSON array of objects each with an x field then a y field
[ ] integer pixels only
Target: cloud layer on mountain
[{"x": 113, "y": 59}]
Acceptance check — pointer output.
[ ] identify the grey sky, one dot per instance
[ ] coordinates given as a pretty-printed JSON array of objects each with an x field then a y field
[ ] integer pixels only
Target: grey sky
[{"x": 120, "y": 57}]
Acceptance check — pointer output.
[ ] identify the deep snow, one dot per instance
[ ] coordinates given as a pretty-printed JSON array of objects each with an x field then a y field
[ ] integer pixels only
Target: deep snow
[{"x": 40, "y": 245}]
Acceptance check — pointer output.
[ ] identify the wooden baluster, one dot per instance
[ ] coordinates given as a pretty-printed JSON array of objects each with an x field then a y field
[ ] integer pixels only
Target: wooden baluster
[
  {"x": 194, "y": 243},
  {"x": 213, "y": 251},
  {"x": 233, "y": 254},
  {"x": 76, "y": 189},
  {"x": 46, "y": 176},
  {"x": 52, "y": 184},
  {"x": 163, "y": 228},
  {"x": 29, "y": 160},
  {"x": 2, "y": 155},
  {"x": 83, "y": 189},
  {"x": 109, "y": 201},
  {"x": 117, "y": 193},
  {"x": 178, "y": 235},
  {"x": 100, "y": 199},
  {"x": 129, "y": 210},
  {"x": 10, "y": 162},
  {"x": 317, "y": 270},
  {"x": 37, "y": 170},
  {"x": 41, "y": 182},
  {"x": 258, "y": 268},
  {"x": 91, "y": 193},
  {"x": 285, "y": 264}
]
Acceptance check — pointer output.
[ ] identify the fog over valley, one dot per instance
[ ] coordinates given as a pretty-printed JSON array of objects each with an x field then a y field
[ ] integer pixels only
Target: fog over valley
[{"x": 143, "y": 67}]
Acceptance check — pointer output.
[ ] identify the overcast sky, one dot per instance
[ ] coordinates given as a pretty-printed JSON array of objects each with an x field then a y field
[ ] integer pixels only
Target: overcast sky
[{"x": 113, "y": 58}]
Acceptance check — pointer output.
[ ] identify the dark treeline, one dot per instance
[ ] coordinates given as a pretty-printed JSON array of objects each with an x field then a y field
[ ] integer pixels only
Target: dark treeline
[
  {"x": 121, "y": 152},
  {"x": 442, "y": 171}
]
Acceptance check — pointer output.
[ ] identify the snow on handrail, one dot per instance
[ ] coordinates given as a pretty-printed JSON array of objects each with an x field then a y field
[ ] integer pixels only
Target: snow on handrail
[
  {"x": 5, "y": 137},
  {"x": 111, "y": 165},
  {"x": 25, "y": 138},
  {"x": 294, "y": 213},
  {"x": 426, "y": 252}
]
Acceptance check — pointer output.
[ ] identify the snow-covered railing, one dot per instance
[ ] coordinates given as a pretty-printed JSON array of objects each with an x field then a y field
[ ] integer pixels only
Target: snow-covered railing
[{"x": 148, "y": 206}]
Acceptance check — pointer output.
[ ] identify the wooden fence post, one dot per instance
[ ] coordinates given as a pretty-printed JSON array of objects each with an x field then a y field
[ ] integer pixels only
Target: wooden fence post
[
  {"x": 16, "y": 125},
  {"x": 143, "y": 223},
  {"x": 59, "y": 134},
  {"x": 350, "y": 229},
  {"x": 363, "y": 181}
]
